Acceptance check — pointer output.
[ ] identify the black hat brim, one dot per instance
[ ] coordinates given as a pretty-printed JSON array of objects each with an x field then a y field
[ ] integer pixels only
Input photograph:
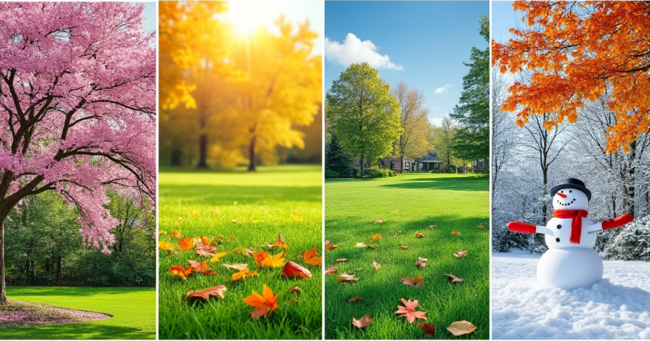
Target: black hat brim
[{"x": 574, "y": 186}]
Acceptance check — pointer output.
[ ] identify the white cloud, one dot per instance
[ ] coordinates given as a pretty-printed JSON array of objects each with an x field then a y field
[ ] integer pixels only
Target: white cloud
[
  {"x": 442, "y": 90},
  {"x": 437, "y": 121},
  {"x": 353, "y": 50}
]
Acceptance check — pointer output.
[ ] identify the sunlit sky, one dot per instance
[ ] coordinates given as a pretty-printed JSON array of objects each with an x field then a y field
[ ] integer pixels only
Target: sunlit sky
[
  {"x": 423, "y": 43},
  {"x": 149, "y": 14},
  {"x": 503, "y": 19}
]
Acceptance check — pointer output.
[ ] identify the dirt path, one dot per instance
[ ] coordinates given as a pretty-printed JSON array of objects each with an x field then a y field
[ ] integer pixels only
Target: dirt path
[{"x": 20, "y": 314}]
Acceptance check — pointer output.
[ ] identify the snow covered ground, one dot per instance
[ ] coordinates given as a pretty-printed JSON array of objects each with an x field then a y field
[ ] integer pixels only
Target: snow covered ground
[{"x": 618, "y": 307}]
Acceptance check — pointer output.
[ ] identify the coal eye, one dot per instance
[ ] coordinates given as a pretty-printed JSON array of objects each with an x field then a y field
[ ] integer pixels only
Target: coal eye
[
  {"x": 570, "y": 191},
  {"x": 561, "y": 191}
]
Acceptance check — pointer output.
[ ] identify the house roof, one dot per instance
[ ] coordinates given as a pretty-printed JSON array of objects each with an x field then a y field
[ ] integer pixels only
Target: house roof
[{"x": 432, "y": 156}]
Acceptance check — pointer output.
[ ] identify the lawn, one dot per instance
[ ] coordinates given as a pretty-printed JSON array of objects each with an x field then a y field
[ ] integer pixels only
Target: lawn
[
  {"x": 407, "y": 204},
  {"x": 133, "y": 310},
  {"x": 252, "y": 208}
]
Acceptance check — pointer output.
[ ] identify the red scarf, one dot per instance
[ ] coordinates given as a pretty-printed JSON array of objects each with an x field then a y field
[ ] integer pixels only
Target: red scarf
[{"x": 576, "y": 224}]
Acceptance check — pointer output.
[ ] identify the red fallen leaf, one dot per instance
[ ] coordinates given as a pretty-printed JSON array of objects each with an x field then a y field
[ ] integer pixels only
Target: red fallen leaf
[
  {"x": 206, "y": 293},
  {"x": 202, "y": 268},
  {"x": 413, "y": 281},
  {"x": 408, "y": 311},
  {"x": 331, "y": 270},
  {"x": 329, "y": 246},
  {"x": 341, "y": 260},
  {"x": 352, "y": 300},
  {"x": 455, "y": 279},
  {"x": 185, "y": 243},
  {"x": 429, "y": 329},
  {"x": 481, "y": 227},
  {"x": 376, "y": 265},
  {"x": 293, "y": 270},
  {"x": 362, "y": 322},
  {"x": 419, "y": 235},
  {"x": 455, "y": 233}
]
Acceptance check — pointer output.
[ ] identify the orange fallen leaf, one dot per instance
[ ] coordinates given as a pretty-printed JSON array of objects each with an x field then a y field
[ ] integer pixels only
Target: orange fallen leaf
[
  {"x": 376, "y": 265},
  {"x": 460, "y": 254},
  {"x": 341, "y": 260},
  {"x": 185, "y": 243},
  {"x": 238, "y": 267},
  {"x": 311, "y": 258},
  {"x": 194, "y": 212},
  {"x": 163, "y": 245},
  {"x": 455, "y": 279},
  {"x": 205, "y": 250},
  {"x": 181, "y": 272},
  {"x": 455, "y": 233},
  {"x": 346, "y": 278},
  {"x": 404, "y": 246},
  {"x": 413, "y": 281},
  {"x": 375, "y": 237},
  {"x": 378, "y": 221},
  {"x": 206, "y": 293},
  {"x": 295, "y": 288},
  {"x": 202, "y": 267},
  {"x": 264, "y": 304},
  {"x": 329, "y": 246},
  {"x": 481, "y": 227},
  {"x": 352, "y": 300},
  {"x": 422, "y": 262},
  {"x": 408, "y": 311},
  {"x": 293, "y": 270},
  {"x": 280, "y": 243},
  {"x": 174, "y": 234},
  {"x": 204, "y": 240},
  {"x": 429, "y": 329},
  {"x": 459, "y": 328},
  {"x": 263, "y": 259},
  {"x": 362, "y": 322},
  {"x": 218, "y": 256},
  {"x": 331, "y": 270},
  {"x": 241, "y": 275},
  {"x": 215, "y": 212},
  {"x": 419, "y": 235}
]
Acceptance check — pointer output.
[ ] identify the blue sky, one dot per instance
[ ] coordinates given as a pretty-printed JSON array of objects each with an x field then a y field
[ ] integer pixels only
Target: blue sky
[
  {"x": 421, "y": 43},
  {"x": 149, "y": 24},
  {"x": 503, "y": 19}
]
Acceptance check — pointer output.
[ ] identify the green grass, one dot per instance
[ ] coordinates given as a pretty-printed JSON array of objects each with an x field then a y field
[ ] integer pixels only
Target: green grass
[
  {"x": 408, "y": 203},
  {"x": 133, "y": 310},
  {"x": 261, "y": 204}
]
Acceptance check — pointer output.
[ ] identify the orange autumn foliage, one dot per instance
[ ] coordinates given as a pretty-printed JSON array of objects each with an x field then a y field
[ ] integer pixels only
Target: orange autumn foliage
[
  {"x": 310, "y": 257},
  {"x": 579, "y": 52},
  {"x": 294, "y": 270},
  {"x": 186, "y": 243},
  {"x": 264, "y": 304},
  {"x": 264, "y": 259},
  {"x": 181, "y": 272}
]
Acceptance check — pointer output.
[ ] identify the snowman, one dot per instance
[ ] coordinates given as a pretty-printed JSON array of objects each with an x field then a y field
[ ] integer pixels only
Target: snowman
[{"x": 570, "y": 262}]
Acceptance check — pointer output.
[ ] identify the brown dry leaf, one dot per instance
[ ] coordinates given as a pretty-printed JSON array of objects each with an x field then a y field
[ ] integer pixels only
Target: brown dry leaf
[
  {"x": 455, "y": 279},
  {"x": 346, "y": 278},
  {"x": 372, "y": 247},
  {"x": 419, "y": 235},
  {"x": 481, "y": 227},
  {"x": 431, "y": 227},
  {"x": 360, "y": 245},
  {"x": 202, "y": 267},
  {"x": 341, "y": 259},
  {"x": 206, "y": 293},
  {"x": 352, "y": 300},
  {"x": 422, "y": 262},
  {"x": 205, "y": 250},
  {"x": 404, "y": 246},
  {"x": 362, "y": 322},
  {"x": 329, "y": 246},
  {"x": 413, "y": 281},
  {"x": 295, "y": 288},
  {"x": 459, "y": 328},
  {"x": 331, "y": 270},
  {"x": 460, "y": 254},
  {"x": 376, "y": 265},
  {"x": 379, "y": 221},
  {"x": 236, "y": 267}
]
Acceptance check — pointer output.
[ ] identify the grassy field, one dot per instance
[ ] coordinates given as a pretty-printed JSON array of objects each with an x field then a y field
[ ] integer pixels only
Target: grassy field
[
  {"x": 407, "y": 204},
  {"x": 253, "y": 208},
  {"x": 133, "y": 310}
]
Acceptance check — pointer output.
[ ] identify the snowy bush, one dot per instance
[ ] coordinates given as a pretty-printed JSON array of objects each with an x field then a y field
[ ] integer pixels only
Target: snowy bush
[{"x": 630, "y": 242}]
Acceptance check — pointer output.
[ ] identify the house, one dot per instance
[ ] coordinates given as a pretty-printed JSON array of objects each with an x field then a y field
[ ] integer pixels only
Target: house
[
  {"x": 426, "y": 163},
  {"x": 480, "y": 166}
]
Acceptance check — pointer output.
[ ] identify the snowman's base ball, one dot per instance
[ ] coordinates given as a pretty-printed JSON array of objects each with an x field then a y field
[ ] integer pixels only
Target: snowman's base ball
[{"x": 569, "y": 268}]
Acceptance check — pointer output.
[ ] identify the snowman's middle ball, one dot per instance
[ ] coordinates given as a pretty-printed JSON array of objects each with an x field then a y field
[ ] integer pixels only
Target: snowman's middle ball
[{"x": 570, "y": 268}]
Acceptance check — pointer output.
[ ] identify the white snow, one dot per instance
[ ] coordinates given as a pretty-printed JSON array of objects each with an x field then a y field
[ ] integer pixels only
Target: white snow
[{"x": 618, "y": 307}]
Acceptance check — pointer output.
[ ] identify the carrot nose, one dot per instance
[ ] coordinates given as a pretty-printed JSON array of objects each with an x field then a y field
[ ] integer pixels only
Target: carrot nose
[{"x": 562, "y": 195}]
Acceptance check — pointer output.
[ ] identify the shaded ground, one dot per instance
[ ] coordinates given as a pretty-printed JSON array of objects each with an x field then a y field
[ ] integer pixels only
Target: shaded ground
[
  {"x": 21, "y": 314},
  {"x": 407, "y": 203},
  {"x": 133, "y": 311},
  {"x": 252, "y": 208}
]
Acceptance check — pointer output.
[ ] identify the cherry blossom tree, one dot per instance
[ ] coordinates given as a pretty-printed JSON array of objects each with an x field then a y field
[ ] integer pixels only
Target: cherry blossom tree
[{"x": 78, "y": 109}]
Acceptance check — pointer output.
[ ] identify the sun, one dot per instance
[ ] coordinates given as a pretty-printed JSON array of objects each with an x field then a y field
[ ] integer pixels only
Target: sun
[{"x": 246, "y": 16}]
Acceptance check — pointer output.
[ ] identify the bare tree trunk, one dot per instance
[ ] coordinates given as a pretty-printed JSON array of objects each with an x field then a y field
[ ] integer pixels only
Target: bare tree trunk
[
  {"x": 251, "y": 155},
  {"x": 3, "y": 287},
  {"x": 203, "y": 151}
]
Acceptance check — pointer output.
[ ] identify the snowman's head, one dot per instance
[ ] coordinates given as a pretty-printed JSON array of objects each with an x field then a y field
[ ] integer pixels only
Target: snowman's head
[{"x": 570, "y": 199}]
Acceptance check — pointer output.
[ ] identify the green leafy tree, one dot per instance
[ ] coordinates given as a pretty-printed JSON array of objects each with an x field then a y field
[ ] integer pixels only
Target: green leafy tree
[
  {"x": 363, "y": 114},
  {"x": 472, "y": 141},
  {"x": 442, "y": 140}
]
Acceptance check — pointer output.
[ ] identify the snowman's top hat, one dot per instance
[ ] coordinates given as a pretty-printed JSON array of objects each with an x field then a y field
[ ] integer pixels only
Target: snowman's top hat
[{"x": 572, "y": 183}]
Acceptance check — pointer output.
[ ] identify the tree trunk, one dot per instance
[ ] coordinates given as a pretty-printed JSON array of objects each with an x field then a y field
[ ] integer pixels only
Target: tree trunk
[
  {"x": 251, "y": 154},
  {"x": 203, "y": 151},
  {"x": 3, "y": 287},
  {"x": 58, "y": 269},
  {"x": 361, "y": 168}
]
